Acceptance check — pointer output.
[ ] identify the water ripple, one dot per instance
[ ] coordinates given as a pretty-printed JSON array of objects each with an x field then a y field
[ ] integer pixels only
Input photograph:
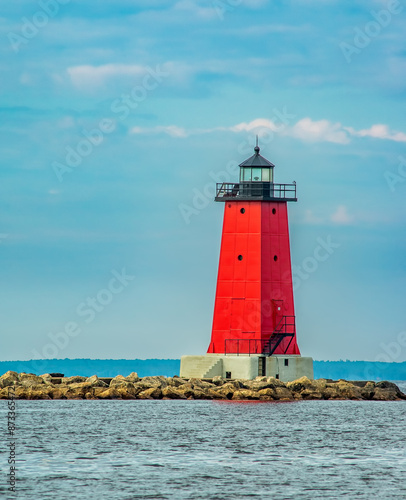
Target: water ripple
[{"x": 210, "y": 450}]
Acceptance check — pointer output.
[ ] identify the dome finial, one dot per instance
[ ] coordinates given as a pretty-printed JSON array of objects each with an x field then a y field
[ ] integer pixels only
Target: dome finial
[{"x": 256, "y": 149}]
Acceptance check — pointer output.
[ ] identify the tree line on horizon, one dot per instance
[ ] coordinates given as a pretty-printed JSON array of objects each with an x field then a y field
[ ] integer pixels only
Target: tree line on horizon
[{"x": 350, "y": 370}]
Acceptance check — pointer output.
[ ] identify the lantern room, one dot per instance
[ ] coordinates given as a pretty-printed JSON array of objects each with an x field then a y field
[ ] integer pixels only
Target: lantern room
[{"x": 256, "y": 168}]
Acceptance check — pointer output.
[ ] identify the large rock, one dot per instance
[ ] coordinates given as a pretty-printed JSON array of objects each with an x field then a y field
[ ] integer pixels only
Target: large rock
[
  {"x": 186, "y": 389},
  {"x": 151, "y": 393},
  {"x": 128, "y": 390},
  {"x": 148, "y": 382},
  {"x": 57, "y": 392},
  {"x": 76, "y": 391},
  {"x": 311, "y": 394},
  {"x": 387, "y": 391},
  {"x": 127, "y": 387},
  {"x": 283, "y": 394},
  {"x": 214, "y": 394},
  {"x": 133, "y": 377},
  {"x": 226, "y": 390},
  {"x": 172, "y": 393},
  {"x": 73, "y": 380},
  {"x": 245, "y": 394},
  {"x": 304, "y": 388},
  {"x": 348, "y": 390},
  {"x": 368, "y": 390},
  {"x": 218, "y": 380},
  {"x": 199, "y": 393},
  {"x": 8, "y": 379},
  {"x": 30, "y": 380},
  {"x": 72, "y": 391},
  {"x": 118, "y": 380},
  {"x": 27, "y": 392},
  {"x": 331, "y": 391},
  {"x": 6, "y": 392},
  {"x": 267, "y": 394},
  {"x": 299, "y": 385},
  {"x": 201, "y": 384},
  {"x": 177, "y": 381},
  {"x": 261, "y": 383},
  {"x": 117, "y": 392},
  {"x": 94, "y": 381}
]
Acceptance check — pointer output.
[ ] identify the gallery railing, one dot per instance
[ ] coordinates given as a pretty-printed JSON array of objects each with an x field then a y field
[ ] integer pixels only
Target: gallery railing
[{"x": 258, "y": 190}]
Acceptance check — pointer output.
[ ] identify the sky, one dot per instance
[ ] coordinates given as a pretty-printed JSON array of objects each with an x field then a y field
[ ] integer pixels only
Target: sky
[{"x": 117, "y": 119}]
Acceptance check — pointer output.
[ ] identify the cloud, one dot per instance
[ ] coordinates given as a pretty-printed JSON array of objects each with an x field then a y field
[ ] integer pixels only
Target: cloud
[
  {"x": 341, "y": 216},
  {"x": 319, "y": 131},
  {"x": 379, "y": 131},
  {"x": 253, "y": 125},
  {"x": 87, "y": 75},
  {"x": 172, "y": 130},
  {"x": 305, "y": 129}
]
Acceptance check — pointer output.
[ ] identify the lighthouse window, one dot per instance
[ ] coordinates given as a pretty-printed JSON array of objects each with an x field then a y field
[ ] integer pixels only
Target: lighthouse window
[
  {"x": 239, "y": 257},
  {"x": 274, "y": 211},
  {"x": 275, "y": 258},
  {"x": 265, "y": 174},
  {"x": 246, "y": 174},
  {"x": 242, "y": 210},
  {"x": 256, "y": 174},
  {"x": 286, "y": 362}
]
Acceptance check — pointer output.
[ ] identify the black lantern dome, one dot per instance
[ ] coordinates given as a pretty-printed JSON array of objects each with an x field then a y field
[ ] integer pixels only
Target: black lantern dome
[{"x": 256, "y": 168}]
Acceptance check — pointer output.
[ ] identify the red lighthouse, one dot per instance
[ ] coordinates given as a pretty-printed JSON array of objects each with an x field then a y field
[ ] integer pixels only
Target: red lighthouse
[
  {"x": 254, "y": 326},
  {"x": 254, "y": 311}
]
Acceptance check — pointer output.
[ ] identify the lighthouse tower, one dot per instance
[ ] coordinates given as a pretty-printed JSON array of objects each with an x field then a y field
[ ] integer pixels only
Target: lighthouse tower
[{"x": 254, "y": 324}]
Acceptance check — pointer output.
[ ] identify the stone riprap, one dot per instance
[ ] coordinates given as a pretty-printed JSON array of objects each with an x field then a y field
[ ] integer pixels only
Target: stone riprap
[{"x": 29, "y": 386}]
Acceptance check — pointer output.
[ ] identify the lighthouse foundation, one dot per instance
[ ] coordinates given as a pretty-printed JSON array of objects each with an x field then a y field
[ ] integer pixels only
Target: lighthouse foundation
[{"x": 283, "y": 367}]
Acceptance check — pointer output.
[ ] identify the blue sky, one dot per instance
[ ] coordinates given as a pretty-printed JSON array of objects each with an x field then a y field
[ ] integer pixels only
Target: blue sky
[{"x": 117, "y": 118}]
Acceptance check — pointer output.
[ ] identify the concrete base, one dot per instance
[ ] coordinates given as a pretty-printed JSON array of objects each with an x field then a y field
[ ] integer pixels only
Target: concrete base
[{"x": 285, "y": 368}]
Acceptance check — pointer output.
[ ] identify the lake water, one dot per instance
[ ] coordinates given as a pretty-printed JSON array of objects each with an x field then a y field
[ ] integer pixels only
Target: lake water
[{"x": 207, "y": 450}]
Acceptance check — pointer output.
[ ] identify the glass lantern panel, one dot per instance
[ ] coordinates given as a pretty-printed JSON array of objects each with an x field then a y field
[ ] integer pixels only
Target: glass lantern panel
[
  {"x": 246, "y": 172},
  {"x": 265, "y": 174},
  {"x": 256, "y": 174}
]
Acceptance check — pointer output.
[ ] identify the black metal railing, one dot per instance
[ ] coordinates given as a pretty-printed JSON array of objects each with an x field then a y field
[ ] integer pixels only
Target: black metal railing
[
  {"x": 286, "y": 328},
  {"x": 255, "y": 190}
]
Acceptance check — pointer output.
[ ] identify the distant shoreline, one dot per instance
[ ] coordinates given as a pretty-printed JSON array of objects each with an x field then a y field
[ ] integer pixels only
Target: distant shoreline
[{"x": 348, "y": 370}]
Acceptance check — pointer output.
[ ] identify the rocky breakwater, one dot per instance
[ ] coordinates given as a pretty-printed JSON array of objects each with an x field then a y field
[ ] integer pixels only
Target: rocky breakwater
[{"x": 29, "y": 386}]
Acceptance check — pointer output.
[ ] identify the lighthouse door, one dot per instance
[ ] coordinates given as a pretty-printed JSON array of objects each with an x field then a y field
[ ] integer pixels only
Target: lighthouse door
[
  {"x": 277, "y": 313},
  {"x": 237, "y": 310}
]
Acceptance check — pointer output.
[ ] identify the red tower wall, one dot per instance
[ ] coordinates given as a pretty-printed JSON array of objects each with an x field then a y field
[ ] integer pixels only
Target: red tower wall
[{"x": 254, "y": 293}]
